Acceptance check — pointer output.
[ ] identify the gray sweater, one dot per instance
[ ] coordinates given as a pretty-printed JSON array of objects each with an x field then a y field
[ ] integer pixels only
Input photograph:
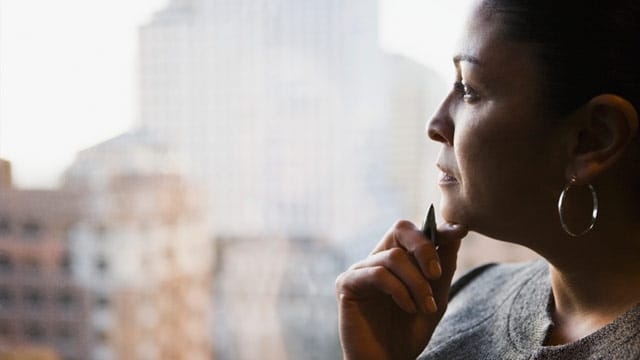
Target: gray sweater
[{"x": 503, "y": 312}]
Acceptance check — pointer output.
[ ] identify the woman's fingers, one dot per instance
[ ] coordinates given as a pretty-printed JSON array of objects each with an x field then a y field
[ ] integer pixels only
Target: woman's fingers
[
  {"x": 361, "y": 283},
  {"x": 393, "y": 237},
  {"x": 407, "y": 266},
  {"x": 402, "y": 265},
  {"x": 404, "y": 234}
]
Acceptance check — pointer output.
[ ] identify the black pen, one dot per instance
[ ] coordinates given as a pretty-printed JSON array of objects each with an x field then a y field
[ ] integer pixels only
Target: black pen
[{"x": 429, "y": 225}]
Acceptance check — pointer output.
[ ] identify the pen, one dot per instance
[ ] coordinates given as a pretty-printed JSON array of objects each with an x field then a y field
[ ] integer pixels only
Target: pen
[{"x": 429, "y": 225}]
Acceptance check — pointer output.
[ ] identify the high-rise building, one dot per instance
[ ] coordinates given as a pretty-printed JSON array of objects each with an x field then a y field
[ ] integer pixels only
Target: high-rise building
[
  {"x": 141, "y": 247},
  {"x": 43, "y": 312},
  {"x": 284, "y": 109}
]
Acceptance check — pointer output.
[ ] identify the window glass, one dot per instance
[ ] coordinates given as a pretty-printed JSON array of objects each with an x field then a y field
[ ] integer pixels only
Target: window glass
[{"x": 187, "y": 178}]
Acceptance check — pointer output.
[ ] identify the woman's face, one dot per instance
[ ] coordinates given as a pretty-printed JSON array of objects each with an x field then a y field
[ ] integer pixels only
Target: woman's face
[{"x": 500, "y": 154}]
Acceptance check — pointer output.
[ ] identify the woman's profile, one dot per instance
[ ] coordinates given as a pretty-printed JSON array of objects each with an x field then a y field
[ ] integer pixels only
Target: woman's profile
[{"x": 539, "y": 147}]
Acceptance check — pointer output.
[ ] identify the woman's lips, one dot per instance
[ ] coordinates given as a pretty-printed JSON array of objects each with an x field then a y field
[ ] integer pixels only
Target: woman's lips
[
  {"x": 447, "y": 179},
  {"x": 445, "y": 176}
]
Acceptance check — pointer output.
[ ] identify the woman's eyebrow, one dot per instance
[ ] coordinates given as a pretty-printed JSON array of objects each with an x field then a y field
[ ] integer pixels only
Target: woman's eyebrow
[{"x": 468, "y": 58}]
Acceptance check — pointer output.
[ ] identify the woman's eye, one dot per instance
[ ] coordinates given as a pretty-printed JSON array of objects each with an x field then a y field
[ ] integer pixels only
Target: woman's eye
[{"x": 467, "y": 93}]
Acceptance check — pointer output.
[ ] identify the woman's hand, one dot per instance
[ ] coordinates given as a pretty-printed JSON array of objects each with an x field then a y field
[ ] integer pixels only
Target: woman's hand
[{"x": 390, "y": 302}]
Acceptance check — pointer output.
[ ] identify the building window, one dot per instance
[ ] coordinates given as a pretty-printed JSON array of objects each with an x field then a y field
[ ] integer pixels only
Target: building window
[
  {"x": 103, "y": 301},
  {"x": 65, "y": 263},
  {"x": 64, "y": 334},
  {"x": 102, "y": 265},
  {"x": 6, "y": 297},
  {"x": 6, "y": 264},
  {"x": 35, "y": 332},
  {"x": 34, "y": 298},
  {"x": 5, "y": 227},
  {"x": 66, "y": 300},
  {"x": 31, "y": 229},
  {"x": 102, "y": 336}
]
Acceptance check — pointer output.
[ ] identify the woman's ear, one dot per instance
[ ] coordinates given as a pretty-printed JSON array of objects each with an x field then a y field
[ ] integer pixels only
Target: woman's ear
[{"x": 602, "y": 130}]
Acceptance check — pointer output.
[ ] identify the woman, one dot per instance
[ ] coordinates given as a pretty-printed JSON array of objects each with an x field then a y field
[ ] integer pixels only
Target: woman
[{"x": 544, "y": 105}]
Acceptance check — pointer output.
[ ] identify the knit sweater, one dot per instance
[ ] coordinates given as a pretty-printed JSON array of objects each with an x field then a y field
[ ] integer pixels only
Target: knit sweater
[{"x": 503, "y": 312}]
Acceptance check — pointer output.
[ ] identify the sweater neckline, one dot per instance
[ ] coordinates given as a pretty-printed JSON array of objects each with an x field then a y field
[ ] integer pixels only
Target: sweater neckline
[{"x": 530, "y": 319}]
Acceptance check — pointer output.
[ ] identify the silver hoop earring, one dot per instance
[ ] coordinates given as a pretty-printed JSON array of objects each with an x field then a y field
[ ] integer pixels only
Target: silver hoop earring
[{"x": 594, "y": 212}]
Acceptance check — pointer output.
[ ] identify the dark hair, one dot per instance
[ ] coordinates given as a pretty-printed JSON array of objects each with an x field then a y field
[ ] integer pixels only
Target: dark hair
[{"x": 585, "y": 47}]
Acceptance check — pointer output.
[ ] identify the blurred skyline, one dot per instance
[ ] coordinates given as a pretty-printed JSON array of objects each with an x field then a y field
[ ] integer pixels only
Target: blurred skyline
[{"x": 69, "y": 81}]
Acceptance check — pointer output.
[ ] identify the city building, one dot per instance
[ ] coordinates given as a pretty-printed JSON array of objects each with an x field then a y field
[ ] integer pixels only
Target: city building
[
  {"x": 283, "y": 108},
  {"x": 43, "y": 312},
  {"x": 141, "y": 247},
  {"x": 307, "y": 301},
  {"x": 275, "y": 298},
  {"x": 248, "y": 278}
]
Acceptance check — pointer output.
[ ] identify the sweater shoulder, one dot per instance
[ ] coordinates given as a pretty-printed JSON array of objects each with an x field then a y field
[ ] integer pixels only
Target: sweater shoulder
[
  {"x": 487, "y": 286},
  {"x": 492, "y": 278},
  {"x": 481, "y": 296}
]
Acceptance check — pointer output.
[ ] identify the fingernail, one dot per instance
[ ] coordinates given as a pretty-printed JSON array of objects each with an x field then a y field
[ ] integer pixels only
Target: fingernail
[
  {"x": 434, "y": 268},
  {"x": 431, "y": 304}
]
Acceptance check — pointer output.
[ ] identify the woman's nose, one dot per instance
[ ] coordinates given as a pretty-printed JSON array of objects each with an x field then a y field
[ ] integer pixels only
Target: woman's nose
[{"x": 440, "y": 127}]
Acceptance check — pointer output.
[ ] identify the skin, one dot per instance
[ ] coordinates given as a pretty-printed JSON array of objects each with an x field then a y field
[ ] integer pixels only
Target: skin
[{"x": 501, "y": 145}]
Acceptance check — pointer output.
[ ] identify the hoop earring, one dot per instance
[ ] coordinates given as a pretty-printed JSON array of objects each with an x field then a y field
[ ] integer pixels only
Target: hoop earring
[{"x": 594, "y": 212}]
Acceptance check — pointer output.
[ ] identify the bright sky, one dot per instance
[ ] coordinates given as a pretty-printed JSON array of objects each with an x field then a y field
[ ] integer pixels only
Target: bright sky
[{"x": 68, "y": 71}]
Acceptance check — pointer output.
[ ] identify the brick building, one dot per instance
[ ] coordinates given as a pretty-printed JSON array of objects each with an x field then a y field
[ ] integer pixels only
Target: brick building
[
  {"x": 40, "y": 306},
  {"x": 141, "y": 248}
]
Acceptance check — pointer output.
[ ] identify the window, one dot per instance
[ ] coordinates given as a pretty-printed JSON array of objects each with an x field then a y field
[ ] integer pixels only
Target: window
[
  {"x": 31, "y": 229},
  {"x": 102, "y": 336},
  {"x": 258, "y": 121},
  {"x": 34, "y": 298},
  {"x": 64, "y": 334},
  {"x": 6, "y": 264},
  {"x": 35, "y": 332},
  {"x": 101, "y": 264},
  {"x": 66, "y": 300},
  {"x": 103, "y": 301},
  {"x": 65, "y": 263},
  {"x": 6, "y": 297},
  {"x": 5, "y": 227}
]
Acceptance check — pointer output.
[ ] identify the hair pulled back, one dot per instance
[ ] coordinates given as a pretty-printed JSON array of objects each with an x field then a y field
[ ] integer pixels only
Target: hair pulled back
[{"x": 585, "y": 48}]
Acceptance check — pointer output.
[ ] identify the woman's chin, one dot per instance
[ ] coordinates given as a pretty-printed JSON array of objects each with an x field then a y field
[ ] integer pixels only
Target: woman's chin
[{"x": 451, "y": 213}]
